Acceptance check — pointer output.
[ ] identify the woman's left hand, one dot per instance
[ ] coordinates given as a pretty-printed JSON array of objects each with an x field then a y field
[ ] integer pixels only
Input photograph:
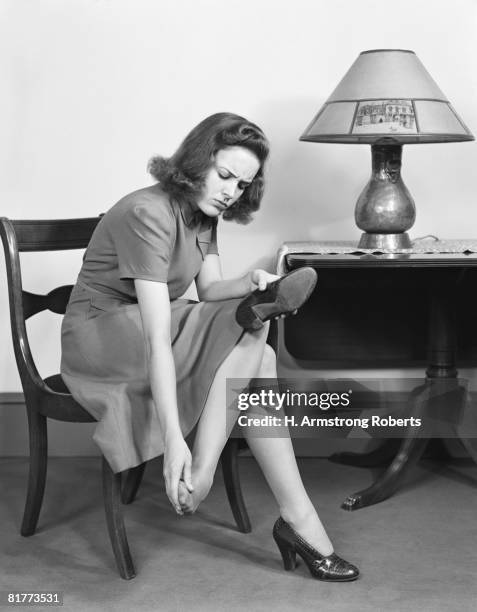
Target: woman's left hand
[{"x": 259, "y": 279}]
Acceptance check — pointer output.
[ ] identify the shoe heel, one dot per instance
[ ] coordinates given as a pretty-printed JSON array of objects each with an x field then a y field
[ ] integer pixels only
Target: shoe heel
[
  {"x": 288, "y": 555},
  {"x": 248, "y": 319},
  {"x": 264, "y": 311}
]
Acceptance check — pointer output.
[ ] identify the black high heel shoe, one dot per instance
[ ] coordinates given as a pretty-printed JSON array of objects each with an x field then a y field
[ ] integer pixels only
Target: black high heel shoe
[
  {"x": 282, "y": 296},
  {"x": 330, "y": 567}
]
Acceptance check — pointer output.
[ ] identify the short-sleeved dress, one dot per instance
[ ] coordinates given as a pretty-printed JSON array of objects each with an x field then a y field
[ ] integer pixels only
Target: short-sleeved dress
[{"x": 148, "y": 236}]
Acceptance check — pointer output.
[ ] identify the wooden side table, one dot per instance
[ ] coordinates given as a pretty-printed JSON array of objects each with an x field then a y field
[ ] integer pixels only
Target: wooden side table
[{"x": 375, "y": 311}]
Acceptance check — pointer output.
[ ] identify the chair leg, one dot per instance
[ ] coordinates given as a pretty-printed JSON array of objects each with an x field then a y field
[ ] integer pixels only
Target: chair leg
[
  {"x": 38, "y": 435},
  {"x": 132, "y": 483},
  {"x": 232, "y": 485},
  {"x": 114, "y": 520}
]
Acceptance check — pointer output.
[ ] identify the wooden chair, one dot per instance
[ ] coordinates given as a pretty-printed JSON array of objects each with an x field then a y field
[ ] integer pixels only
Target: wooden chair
[{"x": 50, "y": 398}]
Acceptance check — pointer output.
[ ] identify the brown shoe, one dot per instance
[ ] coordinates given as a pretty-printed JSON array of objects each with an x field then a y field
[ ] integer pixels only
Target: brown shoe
[{"x": 282, "y": 296}]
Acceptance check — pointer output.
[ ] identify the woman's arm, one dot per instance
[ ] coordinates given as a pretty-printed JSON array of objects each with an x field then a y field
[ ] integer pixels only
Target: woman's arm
[
  {"x": 212, "y": 287},
  {"x": 154, "y": 306}
]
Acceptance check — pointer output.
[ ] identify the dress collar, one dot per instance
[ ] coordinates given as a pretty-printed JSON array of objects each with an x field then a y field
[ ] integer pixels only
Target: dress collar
[{"x": 192, "y": 216}]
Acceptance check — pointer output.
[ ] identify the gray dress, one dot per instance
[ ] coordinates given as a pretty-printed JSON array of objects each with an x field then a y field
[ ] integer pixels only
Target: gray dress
[{"x": 144, "y": 236}]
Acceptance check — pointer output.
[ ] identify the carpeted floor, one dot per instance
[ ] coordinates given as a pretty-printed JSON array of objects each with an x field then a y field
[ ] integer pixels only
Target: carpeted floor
[{"x": 416, "y": 551}]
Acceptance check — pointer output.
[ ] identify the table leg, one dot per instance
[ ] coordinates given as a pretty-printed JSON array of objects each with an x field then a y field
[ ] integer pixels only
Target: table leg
[
  {"x": 408, "y": 455},
  {"x": 382, "y": 455},
  {"x": 441, "y": 366},
  {"x": 468, "y": 426},
  {"x": 470, "y": 445}
]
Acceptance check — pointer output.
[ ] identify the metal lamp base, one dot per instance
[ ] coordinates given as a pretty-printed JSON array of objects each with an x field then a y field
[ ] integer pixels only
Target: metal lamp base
[
  {"x": 386, "y": 242},
  {"x": 385, "y": 209}
]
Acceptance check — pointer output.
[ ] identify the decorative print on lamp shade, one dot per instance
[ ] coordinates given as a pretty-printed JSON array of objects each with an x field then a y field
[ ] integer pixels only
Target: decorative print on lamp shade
[{"x": 387, "y": 116}]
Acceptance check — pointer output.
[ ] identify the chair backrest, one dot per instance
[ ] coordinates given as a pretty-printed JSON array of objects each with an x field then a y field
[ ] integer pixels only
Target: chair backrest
[{"x": 37, "y": 235}]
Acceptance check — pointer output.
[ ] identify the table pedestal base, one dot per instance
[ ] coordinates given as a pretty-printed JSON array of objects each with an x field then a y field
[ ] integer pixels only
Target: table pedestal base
[{"x": 441, "y": 371}]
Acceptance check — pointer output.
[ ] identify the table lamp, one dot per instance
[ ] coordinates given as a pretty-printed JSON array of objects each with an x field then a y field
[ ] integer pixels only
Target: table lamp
[{"x": 386, "y": 99}]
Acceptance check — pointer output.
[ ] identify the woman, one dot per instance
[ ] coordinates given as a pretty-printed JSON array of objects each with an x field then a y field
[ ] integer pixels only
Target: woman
[{"x": 150, "y": 366}]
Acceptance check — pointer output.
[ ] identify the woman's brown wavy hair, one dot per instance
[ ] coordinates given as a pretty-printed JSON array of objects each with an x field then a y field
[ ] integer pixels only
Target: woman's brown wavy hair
[{"x": 182, "y": 176}]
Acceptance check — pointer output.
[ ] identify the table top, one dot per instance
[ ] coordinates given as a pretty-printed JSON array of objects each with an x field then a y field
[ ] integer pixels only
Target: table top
[
  {"x": 424, "y": 253},
  {"x": 394, "y": 260}
]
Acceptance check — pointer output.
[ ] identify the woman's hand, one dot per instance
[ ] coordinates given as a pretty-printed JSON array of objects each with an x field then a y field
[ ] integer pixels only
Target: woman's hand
[
  {"x": 177, "y": 466},
  {"x": 259, "y": 279}
]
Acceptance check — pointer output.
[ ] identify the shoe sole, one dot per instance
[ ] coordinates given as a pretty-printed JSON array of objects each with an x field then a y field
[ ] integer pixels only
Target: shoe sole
[{"x": 286, "y": 300}]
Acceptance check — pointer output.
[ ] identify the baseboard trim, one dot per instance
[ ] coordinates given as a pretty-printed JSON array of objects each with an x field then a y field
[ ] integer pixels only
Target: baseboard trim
[{"x": 12, "y": 397}]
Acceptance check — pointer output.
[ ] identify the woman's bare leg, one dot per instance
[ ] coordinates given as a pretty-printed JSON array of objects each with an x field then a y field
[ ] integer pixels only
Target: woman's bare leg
[
  {"x": 253, "y": 358},
  {"x": 276, "y": 458}
]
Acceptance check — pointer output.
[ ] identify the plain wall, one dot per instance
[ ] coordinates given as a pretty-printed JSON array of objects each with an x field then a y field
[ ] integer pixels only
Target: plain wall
[{"x": 91, "y": 89}]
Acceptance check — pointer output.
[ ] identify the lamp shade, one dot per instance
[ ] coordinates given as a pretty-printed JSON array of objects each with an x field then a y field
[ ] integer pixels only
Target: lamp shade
[{"x": 387, "y": 96}]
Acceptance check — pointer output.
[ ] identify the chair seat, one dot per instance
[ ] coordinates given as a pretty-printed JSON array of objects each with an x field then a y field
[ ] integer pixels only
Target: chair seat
[
  {"x": 56, "y": 383},
  {"x": 60, "y": 405}
]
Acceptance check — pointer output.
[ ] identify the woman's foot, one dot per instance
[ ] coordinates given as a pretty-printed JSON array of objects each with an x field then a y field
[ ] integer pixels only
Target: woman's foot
[
  {"x": 311, "y": 529},
  {"x": 189, "y": 501}
]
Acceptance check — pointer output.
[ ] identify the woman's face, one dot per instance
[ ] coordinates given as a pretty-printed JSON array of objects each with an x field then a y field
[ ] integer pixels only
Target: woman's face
[{"x": 232, "y": 170}]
